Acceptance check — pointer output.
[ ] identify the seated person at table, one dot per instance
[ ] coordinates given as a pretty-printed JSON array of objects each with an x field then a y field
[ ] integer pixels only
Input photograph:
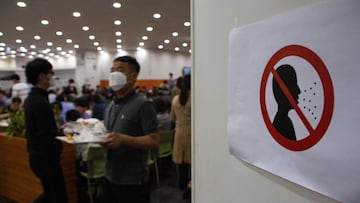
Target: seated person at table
[
  {"x": 3, "y": 99},
  {"x": 163, "y": 107},
  {"x": 65, "y": 106},
  {"x": 15, "y": 106},
  {"x": 82, "y": 105}
]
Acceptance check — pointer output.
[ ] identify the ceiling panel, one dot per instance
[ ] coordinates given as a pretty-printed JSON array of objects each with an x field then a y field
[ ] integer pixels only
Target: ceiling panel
[{"x": 99, "y": 15}]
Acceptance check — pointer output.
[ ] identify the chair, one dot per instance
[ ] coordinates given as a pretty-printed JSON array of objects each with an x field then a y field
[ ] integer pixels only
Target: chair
[
  {"x": 95, "y": 169},
  {"x": 166, "y": 143},
  {"x": 152, "y": 160},
  {"x": 164, "y": 150}
]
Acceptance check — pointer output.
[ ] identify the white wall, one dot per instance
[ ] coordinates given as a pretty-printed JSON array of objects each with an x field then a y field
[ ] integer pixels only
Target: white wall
[
  {"x": 89, "y": 67},
  {"x": 7, "y": 63},
  {"x": 218, "y": 176},
  {"x": 154, "y": 64},
  {"x": 93, "y": 66}
]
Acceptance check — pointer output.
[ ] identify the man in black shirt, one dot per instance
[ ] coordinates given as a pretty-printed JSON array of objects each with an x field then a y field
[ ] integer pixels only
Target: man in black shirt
[{"x": 44, "y": 150}]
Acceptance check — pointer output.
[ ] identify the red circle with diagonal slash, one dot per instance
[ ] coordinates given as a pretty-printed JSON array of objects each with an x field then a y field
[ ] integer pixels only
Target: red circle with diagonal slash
[{"x": 314, "y": 134}]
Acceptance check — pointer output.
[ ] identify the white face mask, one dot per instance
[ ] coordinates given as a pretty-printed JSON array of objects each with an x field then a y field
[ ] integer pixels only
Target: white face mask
[{"x": 117, "y": 80}]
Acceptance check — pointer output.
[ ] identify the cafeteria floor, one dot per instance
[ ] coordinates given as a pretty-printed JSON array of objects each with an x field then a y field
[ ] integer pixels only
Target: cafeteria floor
[{"x": 168, "y": 191}]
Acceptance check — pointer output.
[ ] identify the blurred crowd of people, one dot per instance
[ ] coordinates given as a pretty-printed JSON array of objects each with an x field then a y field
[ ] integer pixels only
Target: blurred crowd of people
[{"x": 171, "y": 101}]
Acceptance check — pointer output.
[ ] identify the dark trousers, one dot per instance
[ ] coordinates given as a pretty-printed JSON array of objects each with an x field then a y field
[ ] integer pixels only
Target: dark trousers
[
  {"x": 184, "y": 175},
  {"x": 114, "y": 193},
  {"x": 49, "y": 171}
]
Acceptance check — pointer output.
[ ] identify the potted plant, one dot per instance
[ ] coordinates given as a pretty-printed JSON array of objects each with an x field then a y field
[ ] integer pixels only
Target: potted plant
[{"x": 16, "y": 124}]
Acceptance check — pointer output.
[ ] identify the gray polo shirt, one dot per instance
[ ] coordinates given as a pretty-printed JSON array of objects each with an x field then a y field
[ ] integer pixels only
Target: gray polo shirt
[{"x": 134, "y": 116}]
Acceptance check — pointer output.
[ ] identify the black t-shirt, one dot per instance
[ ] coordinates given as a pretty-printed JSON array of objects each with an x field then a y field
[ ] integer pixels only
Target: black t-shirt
[
  {"x": 41, "y": 128},
  {"x": 133, "y": 116}
]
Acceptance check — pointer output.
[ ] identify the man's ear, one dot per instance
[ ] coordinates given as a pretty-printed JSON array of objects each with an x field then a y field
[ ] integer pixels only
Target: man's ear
[
  {"x": 41, "y": 77},
  {"x": 133, "y": 76}
]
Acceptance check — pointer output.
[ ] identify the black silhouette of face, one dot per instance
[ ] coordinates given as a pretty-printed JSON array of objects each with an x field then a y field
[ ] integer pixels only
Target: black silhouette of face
[{"x": 288, "y": 75}]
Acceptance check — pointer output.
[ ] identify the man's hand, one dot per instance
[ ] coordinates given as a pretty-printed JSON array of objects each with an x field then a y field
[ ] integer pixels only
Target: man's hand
[{"x": 113, "y": 140}]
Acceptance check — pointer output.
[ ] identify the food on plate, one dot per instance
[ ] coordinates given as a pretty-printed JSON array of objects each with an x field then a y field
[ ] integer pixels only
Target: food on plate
[{"x": 69, "y": 137}]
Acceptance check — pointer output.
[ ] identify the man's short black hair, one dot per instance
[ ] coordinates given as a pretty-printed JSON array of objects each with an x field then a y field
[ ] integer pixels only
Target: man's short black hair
[
  {"x": 35, "y": 67},
  {"x": 82, "y": 102},
  {"x": 134, "y": 65},
  {"x": 15, "y": 77},
  {"x": 16, "y": 100},
  {"x": 72, "y": 115}
]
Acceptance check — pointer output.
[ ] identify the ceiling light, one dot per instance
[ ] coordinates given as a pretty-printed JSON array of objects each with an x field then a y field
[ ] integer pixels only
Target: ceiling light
[
  {"x": 1, "y": 34},
  {"x": 187, "y": 24},
  {"x": 63, "y": 53},
  {"x": 58, "y": 48},
  {"x": 49, "y": 44},
  {"x": 4, "y": 57},
  {"x": 177, "y": 49},
  {"x": 160, "y": 46},
  {"x": 157, "y": 15},
  {"x": 119, "y": 46},
  {"x": 184, "y": 44},
  {"x": 141, "y": 44},
  {"x": 33, "y": 53},
  {"x": 116, "y": 5},
  {"x": 99, "y": 48},
  {"x": 91, "y": 37},
  {"x": 70, "y": 51},
  {"x": 85, "y": 28},
  {"x": 18, "y": 41},
  {"x": 37, "y": 37},
  {"x": 59, "y": 33},
  {"x": 12, "y": 56},
  {"x": 117, "y": 22},
  {"x": 118, "y": 33},
  {"x": 69, "y": 41},
  {"x": 149, "y": 28},
  {"x": 2, "y": 44},
  {"x": 51, "y": 54},
  {"x": 76, "y": 14},
  {"x": 2, "y": 53},
  {"x": 76, "y": 46},
  {"x": 31, "y": 57},
  {"x": 190, "y": 51},
  {"x": 96, "y": 43},
  {"x": 2, "y": 49},
  {"x": 23, "y": 49},
  {"x": 166, "y": 41},
  {"x": 33, "y": 46},
  {"x": 119, "y": 50},
  {"x": 118, "y": 40},
  {"x": 21, "y": 4},
  {"x": 22, "y": 54},
  {"x": 145, "y": 37},
  {"x": 175, "y": 34},
  {"x": 44, "y": 22},
  {"x": 19, "y": 28},
  {"x": 13, "y": 52}
]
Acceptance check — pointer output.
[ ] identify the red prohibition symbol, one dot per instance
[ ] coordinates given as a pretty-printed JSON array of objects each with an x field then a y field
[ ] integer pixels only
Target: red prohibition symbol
[{"x": 315, "y": 134}]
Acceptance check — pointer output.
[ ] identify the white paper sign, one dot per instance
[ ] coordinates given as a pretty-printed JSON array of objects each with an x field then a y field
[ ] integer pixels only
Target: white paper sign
[{"x": 294, "y": 95}]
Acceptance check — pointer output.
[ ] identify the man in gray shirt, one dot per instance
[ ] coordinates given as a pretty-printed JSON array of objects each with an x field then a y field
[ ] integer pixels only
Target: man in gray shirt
[{"x": 132, "y": 126}]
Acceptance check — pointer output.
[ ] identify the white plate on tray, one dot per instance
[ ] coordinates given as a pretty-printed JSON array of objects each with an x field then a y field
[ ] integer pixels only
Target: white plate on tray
[
  {"x": 82, "y": 140},
  {"x": 4, "y": 123}
]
